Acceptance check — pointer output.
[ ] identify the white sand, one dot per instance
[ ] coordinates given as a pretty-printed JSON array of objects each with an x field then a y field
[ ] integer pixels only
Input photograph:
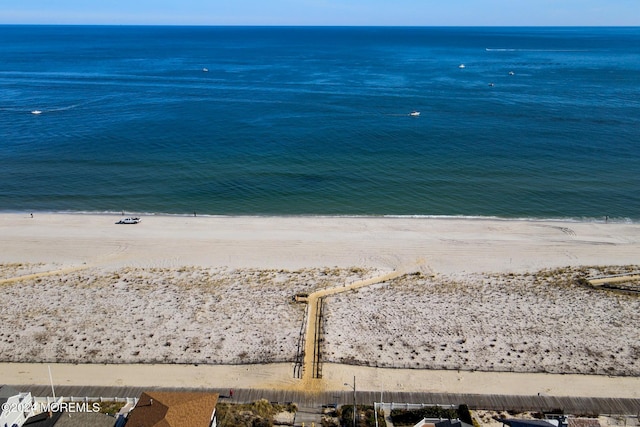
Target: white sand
[
  {"x": 444, "y": 245},
  {"x": 218, "y": 290}
]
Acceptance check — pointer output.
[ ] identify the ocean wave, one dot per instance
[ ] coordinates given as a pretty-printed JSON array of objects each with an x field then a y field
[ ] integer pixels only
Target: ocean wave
[
  {"x": 305, "y": 128},
  {"x": 500, "y": 49},
  {"x": 355, "y": 216}
]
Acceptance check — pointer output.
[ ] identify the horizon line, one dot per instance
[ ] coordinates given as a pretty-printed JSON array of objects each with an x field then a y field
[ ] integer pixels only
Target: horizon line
[{"x": 311, "y": 25}]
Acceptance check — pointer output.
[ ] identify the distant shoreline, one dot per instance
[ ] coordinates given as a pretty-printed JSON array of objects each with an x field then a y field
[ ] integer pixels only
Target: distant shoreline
[{"x": 603, "y": 219}]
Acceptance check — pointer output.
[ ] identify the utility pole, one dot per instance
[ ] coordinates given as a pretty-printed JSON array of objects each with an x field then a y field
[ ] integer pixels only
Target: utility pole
[
  {"x": 51, "y": 381},
  {"x": 354, "y": 399}
]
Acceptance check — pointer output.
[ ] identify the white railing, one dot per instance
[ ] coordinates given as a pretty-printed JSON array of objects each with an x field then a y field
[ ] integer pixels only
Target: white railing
[{"x": 131, "y": 400}]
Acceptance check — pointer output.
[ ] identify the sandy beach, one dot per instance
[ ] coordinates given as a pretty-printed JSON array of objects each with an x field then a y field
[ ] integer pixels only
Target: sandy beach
[{"x": 471, "y": 297}]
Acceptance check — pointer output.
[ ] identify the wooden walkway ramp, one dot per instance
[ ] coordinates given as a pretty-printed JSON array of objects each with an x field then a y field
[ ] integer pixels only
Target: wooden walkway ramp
[
  {"x": 569, "y": 405},
  {"x": 312, "y": 362}
]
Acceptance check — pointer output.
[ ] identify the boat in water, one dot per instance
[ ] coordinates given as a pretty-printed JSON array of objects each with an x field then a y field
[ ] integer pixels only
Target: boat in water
[
  {"x": 36, "y": 112},
  {"x": 414, "y": 113}
]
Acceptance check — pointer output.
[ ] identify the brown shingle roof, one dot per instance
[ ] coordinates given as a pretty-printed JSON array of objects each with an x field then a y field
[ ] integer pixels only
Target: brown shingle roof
[{"x": 173, "y": 409}]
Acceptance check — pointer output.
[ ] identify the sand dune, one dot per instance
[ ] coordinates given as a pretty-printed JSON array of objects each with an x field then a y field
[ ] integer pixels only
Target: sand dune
[{"x": 542, "y": 322}]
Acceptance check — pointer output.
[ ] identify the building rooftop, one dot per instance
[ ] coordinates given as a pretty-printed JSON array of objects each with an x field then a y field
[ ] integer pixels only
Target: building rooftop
[{"x": 173, "y": 409}]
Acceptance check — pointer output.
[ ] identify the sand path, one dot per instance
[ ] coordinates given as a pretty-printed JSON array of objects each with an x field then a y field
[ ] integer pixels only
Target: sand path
[
  {"x": 42, "y": 274},
  {"x": 615, "y": 279},
  {"x": 278, "y": 376}
]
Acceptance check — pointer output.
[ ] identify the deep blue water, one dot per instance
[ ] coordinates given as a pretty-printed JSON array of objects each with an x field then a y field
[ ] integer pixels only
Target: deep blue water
[{"x": 314, "y": 121}]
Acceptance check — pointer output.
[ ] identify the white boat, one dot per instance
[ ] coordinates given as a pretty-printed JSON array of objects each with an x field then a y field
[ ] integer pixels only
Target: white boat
[
  {"x": 461, "y": 66},
  {"x": 511, "y": 73},
  {"x": 36, "y": 112},
  {"x": 129, "y": 221},
  {"x": 414, "y": 113}
]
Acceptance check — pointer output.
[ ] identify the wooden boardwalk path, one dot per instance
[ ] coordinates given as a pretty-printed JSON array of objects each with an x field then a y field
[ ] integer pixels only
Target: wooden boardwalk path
[
  {"x": 312, "y": 368},
  {"x": 569, "y": 405}
]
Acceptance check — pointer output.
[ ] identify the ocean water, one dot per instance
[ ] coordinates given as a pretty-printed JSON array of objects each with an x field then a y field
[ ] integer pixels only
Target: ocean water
[{"x": 540, "y": 122}]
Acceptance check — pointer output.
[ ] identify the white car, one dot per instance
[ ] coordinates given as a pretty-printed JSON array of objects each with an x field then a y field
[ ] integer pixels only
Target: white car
[{"x": 129, "y": 221}]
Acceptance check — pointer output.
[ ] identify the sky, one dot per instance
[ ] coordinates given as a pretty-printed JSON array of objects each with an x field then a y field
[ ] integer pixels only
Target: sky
[{"x": 324, "y": 12}]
